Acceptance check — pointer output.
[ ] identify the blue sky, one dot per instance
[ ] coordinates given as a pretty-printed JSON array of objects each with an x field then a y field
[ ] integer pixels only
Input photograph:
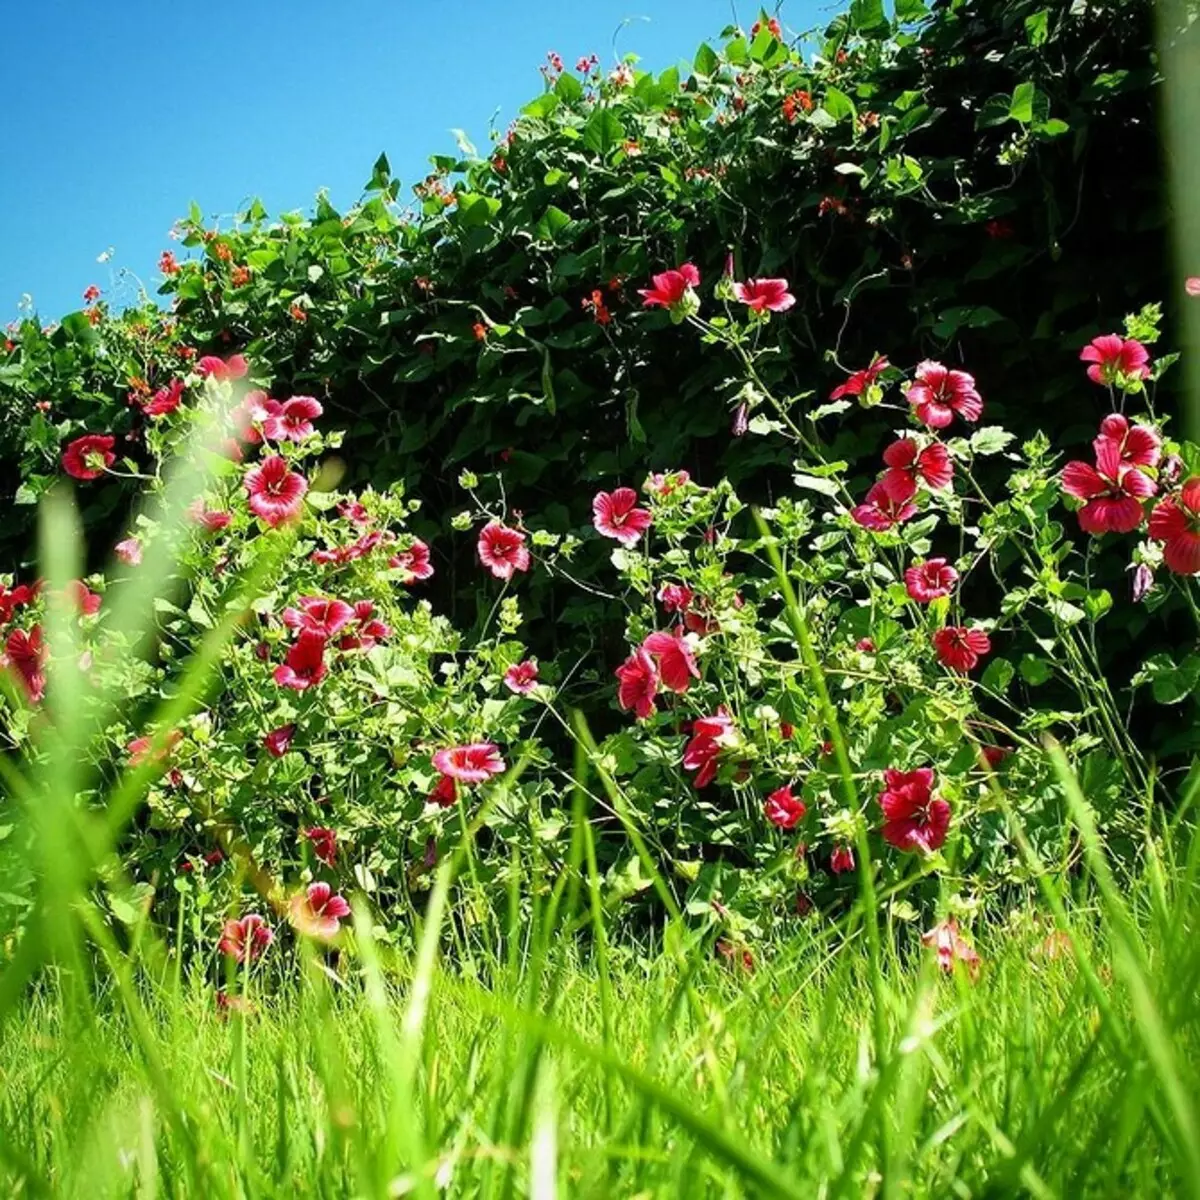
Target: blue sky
[{"x": 119, "y": 114}]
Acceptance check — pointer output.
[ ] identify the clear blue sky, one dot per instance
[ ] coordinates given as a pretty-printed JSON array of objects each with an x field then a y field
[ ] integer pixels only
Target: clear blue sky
[{"x": 118, "y": 113}]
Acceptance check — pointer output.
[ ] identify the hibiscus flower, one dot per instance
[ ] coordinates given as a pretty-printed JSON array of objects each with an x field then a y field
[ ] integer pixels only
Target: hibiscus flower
[
  {"x": 304, "y": 666},
  {"x": 930, "y": 580},
  {"x": 473, "y": 763},
  {"x": 89, "y": 456},
  {"x": 913, "y": 818},
  {"x": 616, "y": 515},
  {"x": 502, "y": 550},
  {"x": 276, "y": 492},
  {"x": 292, "y": 421},
  {"x": 675, "y": 657},
  {"x": 244, "y": 940},
  {"x": 672, "y": 290},
  {"x": 368, "y": 630},
  {"x": 675, "y": 597},
  {"x": 1137, "y": 445},
  {"x": 783, "y": 809},
  {"x": 960, "y": 648},
  {"x": 1113, "y": 493},
  {"x": 710, "y": 735},
  {"x": 860, "y": 381},
  {"x": 234, "y": 367},
  {"x": 129, "y": 551},
  {"x": 444, "y": 793},
  {"x": 522, "y": 677},
  {"x": 25, "y": 653},
  {"x": 319, "y": 615},
  {"x": 84, "y": 600},
  {"x": 413, "y": 563},
  {"x": 944, "y": 937},
  {"x": 907, "y": 464},
  {"x": 637, "y": 684},
  {"x": 765, "y": 295},
  {"x": 165, "y": 400},
  {"x": 318, "y": 911},
  {"x": 842, "y": 859},
  {"x": 279, "y": 741},
  {"x": 1175, "y": 522},
  {"x": 883, "y": 508},
  {"x": 663, "y": 483},
  {"x": 324, "y": 843},
  {"x": 938, "y": 393},
  {"x": 1115, "y": 360}
]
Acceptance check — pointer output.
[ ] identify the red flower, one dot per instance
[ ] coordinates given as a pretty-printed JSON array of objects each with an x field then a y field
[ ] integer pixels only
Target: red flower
[
  {"x": 304, "y": 666},
  {"x": 165, "y": 400},
  {"x": 89, "y": 456},
  {"x": 502, "y": 550},
  {"x": 129, "y": 551},
  {"x": 675, "y": 597},
  {"x": 413, "y": 563},
  {"x": 773, "y": 28},
  {"x": 783, "y": 809},
  {"x": 882, "y": 508},
  {"x": 276, "y": 493},
  {"x": 240, "y": 276},
  {"x": 842, "y": 859},
  {"x": 319, "y": 910},
  {"x": 637, "y": 684},
  {"x": 368, "y": 632},
  {"x": 859, "y": 381},
  {"x": 355, "y": 512},
  {"x": 596, "y": 306},
  {"x": 906, "y": 465},
  {"x": 324, "y": 843},
  {"x": 616, "y": 515},
  {"x": 292, "y": 421},
  {"x": 994, "y": 755},
  {"x": 765, "y": 295},
  {"x": 710, "y": 735},
  {"x": 246, "y": 939},
  {"x": 672, "y": 289},
  {"x": 998, "y": 228},
  {"x": 676, "y": 659},
  {"x": 91, "y": 294},
  {"x": 445, "y": 792},
  {"x": 279, "y": 741},
  {"x": 664, "y": 483},
  {"x": 950, "y": 947},
  {"x": 140, "y": 748},
  {"x": 797, "y": 101},
  {"x": 1191, "y": 285},
  {"x": 930, "y": 580},
  {"x": 961, "y": 648},
  {"x": 913, "y": 818},
  {"x": 1176, "y": 523},
  {"x": 1138, "y": 445},
  {"x": 17, "y": 598},
  {"x": 318, "y": 615},
  {"x": 211, "y": 518},
  {"x": 521, "y": 677},
  {"x": 938, "y": 393},
  {"x": 25, "y": 654},
  {"x": 222, "y": 369},
  {"x": 83, "y": 598},
  {"x": 474, "y": 763},
  {"x": 480, "y": 331},
  {"x": 167, "y": 264},
  {"x": 1113, "y": 493},
  {"x": 1115, "y": 360}
]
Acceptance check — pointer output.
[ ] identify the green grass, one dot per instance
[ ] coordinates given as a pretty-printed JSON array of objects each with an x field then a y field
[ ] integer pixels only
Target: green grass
[{"x": 535, "y": 1072}]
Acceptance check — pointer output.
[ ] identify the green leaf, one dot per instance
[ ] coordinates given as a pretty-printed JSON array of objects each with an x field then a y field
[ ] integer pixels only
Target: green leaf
[
  {"x": 604, "y": 132},
  {"x": 1020, "y": 108},
  {"x": 908, "y": 11},
  {"x": 1034, "y": 670},
  {"x": 706, "y": 61},
  {"x": 867, "y": 16},
  {"x": 1170, "y": 682},
  {"x": 542, "y": 107},
  {"x": 569, "y": 88},
  {"x": 838, "y": 105},
  {"x": 551, "y": 223},
  {"x": 998, "y": 676},
  {"x": 381, "y": 174},
  {"x": 1037, "y": 26},
  {"x": 991, "y": 439}
]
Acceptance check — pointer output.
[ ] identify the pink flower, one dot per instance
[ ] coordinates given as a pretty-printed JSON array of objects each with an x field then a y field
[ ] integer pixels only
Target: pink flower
[
  {"x": 165, "y": 400},
  {"x": 930, "y": 580},
  {"x": 783, "y": 809},
  {"x": 1137, "y": 445},
  {"x": 251, "y": 416},
  {"x": 276, "y": 493},
  {"x": 445, "y": 792},
  {"x": 319, "y": 615},
  {"x": 304, "y": 666},
  {"x": 662, "y": 484},
  {"x": 324, "y": 843},
  {"x": 860, "y": 381},
  {"x": 26, "y": 655},
  {"x": 521, "y": 677},
  {"x": 907, "y": 464},
  {"x": 17, "y": 598},
  {"x": 368, "y": 631},
  {"x": 1113, "y": 492},
  {"x": 318, "y": 911},
  {"x": 637, "y": 684},
  {"x": 279, "y": 741},
  {"x": 938, "y": 393},
  {"x": 83, "y": 598},
  {"x": 354, "y": 512},
  {"x": 1175, "y": 522},
  {"x": 961, "y": 648},
  {"x": 765, "y": 295},
  {"x": 413, "y": 563},
  {"x": 913, "y": 818},
  {"x": 710, "y": 735},
  {"x": 140, "y": 751},
  {"x": 882, "y": 509},
  {"x": 212, "y": 519},
  {"x": 474, "y": 763},
  {"x": 89, "y": 456},
  {"x": 675, "y": 658},
  {"x": 951, "y": 947},
  {"x": 672, "y": 288},
  {"x": 1191, "y": 285},
  {"x": 245, "y": 940},
  {"x": 842, "y": 859},
  {"x": 502, "y": 550},
  {"x": 234, "y": 367},
  {"x": 675, "y": 597},
  {"x": 1115, "y": 359},
  {"x": 293, "y": 420},
  {"x": 129, "y": 551},
  {"x": 616, "y": 515}
]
